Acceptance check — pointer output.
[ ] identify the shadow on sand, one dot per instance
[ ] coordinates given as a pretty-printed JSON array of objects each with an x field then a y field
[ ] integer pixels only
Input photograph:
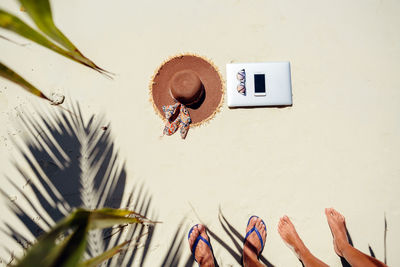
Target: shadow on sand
[
  {"x": 371, "y": 251},
  {"x": 236, "y": 238},
  {"x": 174, "y": 256},
  {"x": 73, "y": 163}
]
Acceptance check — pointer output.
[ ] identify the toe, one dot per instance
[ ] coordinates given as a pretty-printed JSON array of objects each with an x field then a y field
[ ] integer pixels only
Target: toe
[
  {"x": 263, "y": 233},
  {"x": 195, "y": 232},
  {"x": 329, "y": 211},
  {"x": 200, "y": 227},
  {"x": 202, "y": 231},
  {"x": 280, "y": 226},
  {"x": 193, "y": 235},
  {"x": 258, "y": 224},
  {"x": 334, "y": 212},
  {"x": 285, "y": 219},
  {"x": 338, "y": 214},
  {"x": 280, "y": 223},
  {"x": 262, "y": 230},
  {"x": 252, "y": 223}
]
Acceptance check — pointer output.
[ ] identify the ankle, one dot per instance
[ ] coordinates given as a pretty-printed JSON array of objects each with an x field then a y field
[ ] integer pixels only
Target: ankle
[
  {"x": 250, "y": 251},
  {"x": 343, "y": 247},
  {"x": 206, "y": 262},
  {"x": 302, "y": 251},
  {"x": 249, "y": 256}
]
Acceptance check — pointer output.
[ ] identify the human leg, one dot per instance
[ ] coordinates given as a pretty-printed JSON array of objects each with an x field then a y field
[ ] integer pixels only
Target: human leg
[
  {"x": 289, "y": 235},
  {"x": 341, "y": 244}
]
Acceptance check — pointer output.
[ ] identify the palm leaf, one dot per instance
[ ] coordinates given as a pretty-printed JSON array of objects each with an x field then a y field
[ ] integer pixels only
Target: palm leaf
[
  {"x": 47, "y": 252},
  {"x": 104, "y": 256},
  {"x": 100, "y": 220},
  {"x": 74, "y": 163},
  {"x": 71, "y": 252},
  {"x": 40, "y": 12},
  {"x": 44, "y": 252},
  {"x": 12, "y": 23},
  {"x": 11, "y": 75},
  {"x": 107, "y": 217}
]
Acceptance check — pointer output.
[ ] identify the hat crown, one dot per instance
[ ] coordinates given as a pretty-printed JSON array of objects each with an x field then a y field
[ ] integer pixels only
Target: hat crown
[{"x": 186, "y": 87}]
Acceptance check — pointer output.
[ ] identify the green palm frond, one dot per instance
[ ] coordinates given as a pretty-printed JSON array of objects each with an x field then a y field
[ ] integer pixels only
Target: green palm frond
[
  {"x": 11, "y": 75},
  {"x": 40, "y": 12},
  {"x": 48, "y": 251},
  {"x": 95, "y": 261}
]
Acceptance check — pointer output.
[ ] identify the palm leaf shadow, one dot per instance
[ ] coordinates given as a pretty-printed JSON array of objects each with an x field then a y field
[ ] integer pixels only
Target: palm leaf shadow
[
  {"x": 237, "y": 239},
  {"x": 371, "y": 251},
  {"x": 385, "y": 229},
  {"x": 74, "y": 164},
  {"x": 343, "y": 261},
  {"x": 385, "y": 238},
  {"x": 174, "y": 254}
]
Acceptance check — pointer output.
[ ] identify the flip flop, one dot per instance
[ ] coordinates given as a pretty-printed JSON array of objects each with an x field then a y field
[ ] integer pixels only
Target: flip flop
[
  {"x": 196, "y": 242},
  {"x": 254, "y": 229}
]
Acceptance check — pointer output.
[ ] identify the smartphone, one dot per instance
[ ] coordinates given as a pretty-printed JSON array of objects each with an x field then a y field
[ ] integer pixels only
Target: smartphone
[{"x": 259, "y": 84}]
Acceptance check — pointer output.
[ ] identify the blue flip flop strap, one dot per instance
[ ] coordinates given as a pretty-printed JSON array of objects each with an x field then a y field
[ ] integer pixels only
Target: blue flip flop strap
[
  {"x": 254, "y": 216},
  {"x": 197, "y": 242},
  {"x": 259, "y": 237}
]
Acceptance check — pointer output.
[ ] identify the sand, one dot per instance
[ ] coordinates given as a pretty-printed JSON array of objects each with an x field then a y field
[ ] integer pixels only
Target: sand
[{"x": 337, "y": 146}]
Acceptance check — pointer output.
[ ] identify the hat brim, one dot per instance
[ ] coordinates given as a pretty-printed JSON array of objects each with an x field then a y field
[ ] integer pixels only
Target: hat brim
[{"x": 209, "y": 76}]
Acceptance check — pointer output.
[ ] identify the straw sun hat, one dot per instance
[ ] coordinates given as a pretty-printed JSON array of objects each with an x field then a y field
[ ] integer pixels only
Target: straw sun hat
[{"x": 186, "y": 91}]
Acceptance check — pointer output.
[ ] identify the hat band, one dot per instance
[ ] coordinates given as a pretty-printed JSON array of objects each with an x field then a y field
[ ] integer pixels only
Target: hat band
[
  {"x": 177, "y": 117},
  {"x": 191, "y": 103}
]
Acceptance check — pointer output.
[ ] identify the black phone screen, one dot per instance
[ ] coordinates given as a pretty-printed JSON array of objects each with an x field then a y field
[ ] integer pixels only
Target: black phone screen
[{"x": 259, "y": 83}]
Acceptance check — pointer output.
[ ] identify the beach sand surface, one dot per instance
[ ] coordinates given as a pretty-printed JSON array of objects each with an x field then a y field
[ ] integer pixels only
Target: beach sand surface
[{"x": 337, "y": 146}]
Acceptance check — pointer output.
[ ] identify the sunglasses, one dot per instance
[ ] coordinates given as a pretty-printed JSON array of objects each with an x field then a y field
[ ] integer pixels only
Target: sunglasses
[{"x": 241, "y": 76}]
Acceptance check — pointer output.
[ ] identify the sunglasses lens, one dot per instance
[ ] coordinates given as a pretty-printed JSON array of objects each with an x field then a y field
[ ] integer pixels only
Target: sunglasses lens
[
  {"x": 241, "y": 76},
  {"x": 241, "y": 89}
]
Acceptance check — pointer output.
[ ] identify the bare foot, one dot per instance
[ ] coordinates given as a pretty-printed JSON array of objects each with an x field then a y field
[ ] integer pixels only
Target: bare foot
[
  {"x": 203, "y": 253},
  {"x": 291, "y": 238},
  {"x": 253, "y": 243},
  {"x": 338, "y": 228}
]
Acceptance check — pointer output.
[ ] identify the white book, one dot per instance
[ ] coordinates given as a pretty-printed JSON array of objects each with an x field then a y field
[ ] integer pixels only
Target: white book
[{"x": 266, "y": 83}]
